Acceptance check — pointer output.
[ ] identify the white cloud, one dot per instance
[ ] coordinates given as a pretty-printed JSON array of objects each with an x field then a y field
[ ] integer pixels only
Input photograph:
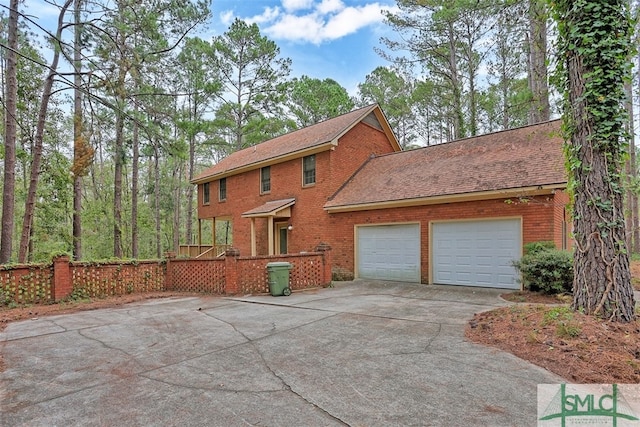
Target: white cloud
[
  {"x": 269, "y": 14},
  {"x": 330, "y": 6},
  {"x": 227, "y": 17},
  {"x": 314, "y": 21},
  {"x": 351, "y": 19},
  {"x": 293, "y": 5},
  {"x": 330, "y": 20},
  {"x": 291, "y": 27}
]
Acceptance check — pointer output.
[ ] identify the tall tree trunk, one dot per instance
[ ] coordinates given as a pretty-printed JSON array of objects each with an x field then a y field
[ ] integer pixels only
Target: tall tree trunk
[
  {"x": 539, "y": 110},
  {"x": 10, "y": 136},
  {"x": 602, "y": 283},
  {"x": 156, "y": 192},
  {"x": 77, "y": 135},
  {"x": 117, "y": 182},
  {"x": 177, "y": 174},
  {"x": 473, "y": 106},
  {"x": 192, "y": 151},
  {"x": 634, "y": 166},
  {"x": 631, "y": 197},
  {"x": 30, "y": 204},
  {"x": 134, "y": 182},
  {"x": 458, "y": 115}
]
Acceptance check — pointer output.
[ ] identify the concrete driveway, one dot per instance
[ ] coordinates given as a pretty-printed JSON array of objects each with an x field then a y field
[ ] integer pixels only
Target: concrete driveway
[{"x": 359, "y": 354}]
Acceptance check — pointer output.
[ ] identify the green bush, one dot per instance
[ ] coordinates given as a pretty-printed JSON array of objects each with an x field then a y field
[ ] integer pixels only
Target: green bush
[
  {"x": 535, "y": 247},
  {"x": 545, "y": 270}
]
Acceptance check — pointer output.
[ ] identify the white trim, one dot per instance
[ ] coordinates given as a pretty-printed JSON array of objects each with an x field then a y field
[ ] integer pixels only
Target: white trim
[
  {"x": 431, "y": 249},
  {"x": 450, "y": 198}
]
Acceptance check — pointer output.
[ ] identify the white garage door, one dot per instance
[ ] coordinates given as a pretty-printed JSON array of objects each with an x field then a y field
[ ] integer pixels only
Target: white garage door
[
  {"x": 389, "y": 252},
  {"x": 476, "y": 253}
]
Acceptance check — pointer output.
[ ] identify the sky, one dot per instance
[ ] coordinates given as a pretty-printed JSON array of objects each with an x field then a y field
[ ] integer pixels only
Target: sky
[{"x": 323, "y": 38}]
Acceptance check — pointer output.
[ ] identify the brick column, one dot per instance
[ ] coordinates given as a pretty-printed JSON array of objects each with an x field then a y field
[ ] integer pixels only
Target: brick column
[
  {"x": 325, "y": 250},
  {"x": 62, "y": 283},
  {"x": 231, "y": 281},
  {"x": 168, "y": 274}
]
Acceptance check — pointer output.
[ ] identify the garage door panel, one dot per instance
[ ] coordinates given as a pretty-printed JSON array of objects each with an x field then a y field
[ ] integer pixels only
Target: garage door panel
[
  {"x": 477, "y": 253},
  {"x": 389, "y": 252},
  {"x": 484, "y": 261}
]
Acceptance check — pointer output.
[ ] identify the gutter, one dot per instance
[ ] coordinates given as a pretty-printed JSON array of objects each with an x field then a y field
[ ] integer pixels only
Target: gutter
[
  {"x": 325, "y": 146},
  {"x": 538, "y": 190}
]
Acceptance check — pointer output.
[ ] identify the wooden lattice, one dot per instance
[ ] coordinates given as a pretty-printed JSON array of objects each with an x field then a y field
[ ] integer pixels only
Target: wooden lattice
[
  {"x": 26, "y": 284},
  {"x": 306, "y": 272},
  {"x": 107, "y": 279},
  {"x": 33, "y": 283},
  {"x": 201, "y": 276}
]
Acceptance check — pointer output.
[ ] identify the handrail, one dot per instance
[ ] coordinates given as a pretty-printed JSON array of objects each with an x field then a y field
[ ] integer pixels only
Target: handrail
[{"x": 206, "y": 252}]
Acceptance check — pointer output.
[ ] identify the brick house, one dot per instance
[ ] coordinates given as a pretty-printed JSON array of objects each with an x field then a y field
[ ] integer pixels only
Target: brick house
[{"x": 456, "y": 213}]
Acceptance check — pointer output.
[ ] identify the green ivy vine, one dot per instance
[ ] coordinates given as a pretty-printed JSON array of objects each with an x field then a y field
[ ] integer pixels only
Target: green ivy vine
[{"x": 598, "y": 33}]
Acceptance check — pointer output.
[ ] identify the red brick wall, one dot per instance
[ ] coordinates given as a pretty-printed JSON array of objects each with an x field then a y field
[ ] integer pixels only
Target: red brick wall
[
  {"x": 538, "y": 223},
  {"x": 562, "y": 215},
  {"x": 310, "y": 222}
]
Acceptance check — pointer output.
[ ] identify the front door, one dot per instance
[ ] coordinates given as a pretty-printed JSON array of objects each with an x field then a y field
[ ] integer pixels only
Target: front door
[{"x": 281, "y": 238}]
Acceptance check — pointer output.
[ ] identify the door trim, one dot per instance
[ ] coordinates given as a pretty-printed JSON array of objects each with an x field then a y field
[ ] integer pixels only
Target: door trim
[{"x": 431, "y": 223}]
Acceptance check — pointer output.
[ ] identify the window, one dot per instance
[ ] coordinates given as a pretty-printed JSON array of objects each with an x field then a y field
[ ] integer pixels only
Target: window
[
  {"x": 205, "y": 193},
  {"x": 309, "y": 170},
  {"x": 223, "y": 189},
  {"x": 265, "y": 179}
]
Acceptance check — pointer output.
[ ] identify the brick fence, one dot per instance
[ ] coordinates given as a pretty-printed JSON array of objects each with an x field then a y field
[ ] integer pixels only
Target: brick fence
[{"x": 230, "y": 275}]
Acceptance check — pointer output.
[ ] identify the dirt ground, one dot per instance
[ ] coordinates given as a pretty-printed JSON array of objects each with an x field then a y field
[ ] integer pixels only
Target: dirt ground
[
  {"x": 540, "y": 329},
  {"x": 29, "y": 312}
]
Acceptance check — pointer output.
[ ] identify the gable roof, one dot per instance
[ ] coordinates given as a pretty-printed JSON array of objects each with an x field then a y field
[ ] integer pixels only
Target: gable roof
[
  {"x": 269, "y": 208},
  {"x": 302, "y": 142},
  {"x": 486, "y": 166}
]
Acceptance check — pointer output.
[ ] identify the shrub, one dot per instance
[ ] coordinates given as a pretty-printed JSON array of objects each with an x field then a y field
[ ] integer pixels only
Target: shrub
[
  {"x": 535, "y": 247},
  {"x": 545, "y": 270}
]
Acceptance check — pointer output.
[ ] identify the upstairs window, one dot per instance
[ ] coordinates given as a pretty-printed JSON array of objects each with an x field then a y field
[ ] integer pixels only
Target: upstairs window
[
  {"x": 222, "y": 190},
  {"x": 309, "y": 170},
  {"x": 205, "y": 193},
  {"x": 265, "y": 179}
]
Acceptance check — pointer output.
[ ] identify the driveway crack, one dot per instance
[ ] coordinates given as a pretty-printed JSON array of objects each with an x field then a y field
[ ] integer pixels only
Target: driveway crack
[{"x": 265, "y": 363}]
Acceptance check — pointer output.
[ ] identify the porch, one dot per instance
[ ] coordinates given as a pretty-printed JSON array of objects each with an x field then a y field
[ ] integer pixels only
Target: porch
[{"x": 214, "y": 238}]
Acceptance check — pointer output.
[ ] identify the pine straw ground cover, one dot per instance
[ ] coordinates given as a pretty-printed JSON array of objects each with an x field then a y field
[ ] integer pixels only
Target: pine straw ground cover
[
  {"x": 545, "y": 331},
  {"x": 579, "y": 348}
]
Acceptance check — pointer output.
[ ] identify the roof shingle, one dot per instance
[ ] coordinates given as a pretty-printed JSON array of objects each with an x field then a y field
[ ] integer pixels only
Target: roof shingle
[
  {"x": 269, "y": 207},
  {"x": 523, "y": 157},
  {"x": 302, "y": 139}
]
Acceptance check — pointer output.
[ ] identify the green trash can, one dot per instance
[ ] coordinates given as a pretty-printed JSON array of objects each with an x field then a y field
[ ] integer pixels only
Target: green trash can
[{"x": 279, "y": 278}]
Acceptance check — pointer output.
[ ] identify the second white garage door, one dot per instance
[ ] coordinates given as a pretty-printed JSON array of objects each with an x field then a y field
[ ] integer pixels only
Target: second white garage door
[
  {"x": 476, "y": 253},
  {"x": 389, "y": 252}
]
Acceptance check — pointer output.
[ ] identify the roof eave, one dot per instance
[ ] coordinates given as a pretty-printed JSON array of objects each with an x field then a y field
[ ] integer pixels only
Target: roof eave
[
  {"x": 325, "y": 146},
  {"x": 382, "y": 119},
  {"x": 537, "y": 190},
  {"x": 273, "y": 213}
]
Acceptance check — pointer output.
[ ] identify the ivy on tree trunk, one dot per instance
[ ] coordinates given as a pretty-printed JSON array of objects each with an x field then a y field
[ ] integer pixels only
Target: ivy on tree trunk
[{"x": 594, "y": 47}]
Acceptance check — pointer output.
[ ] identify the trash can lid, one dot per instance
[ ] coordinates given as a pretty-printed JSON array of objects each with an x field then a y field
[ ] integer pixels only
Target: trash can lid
[{"x": 278, "y": 264}]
